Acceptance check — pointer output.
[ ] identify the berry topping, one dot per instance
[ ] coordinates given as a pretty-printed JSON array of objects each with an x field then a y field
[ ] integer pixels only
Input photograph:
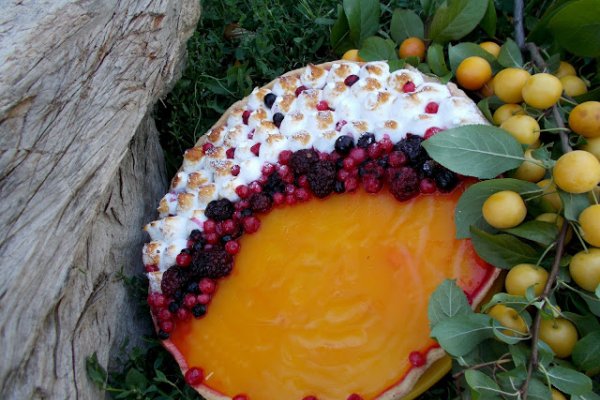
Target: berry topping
[
  {"x": 358, "y": 155},
  {"x": 427, "y": 186},
  {"x": 321, "y": 178},
  {"x": 162, "y": 335},
  {"x": 404, "y": 183},
  {"x": 411, "y": 147},
  {"x": 277, "y": 118},
  {"x": 351, "y": 80},
  {"x": 251, "y": 224},
  {"x": 235, "y": 170},
  {"x": 284, "y": 157},
  {"x": 302, "y": 161},
  {"x": 214, "y": 263},
  {"x": 322, "y": 105},
  {"x": 206, "y": 147},
  {"x": 245, "y": 116},
  {"x": 240, "y": 397},
  {"x": 207, "y": 286},
  {"x": 199, "y": 310},
  {"x": 232, "y": 247},
  {"x": 344, "y": 144},
  {"x": 172, "y": 279},
  {"x": 183, "y": 314},
  {"x": 270, "y": 99},
  {"x": 300, "y": 89},
  {"x": 183, "y": 259},
  {"x": 409, "y": 87},
  {"x": 243, "y": 191},
  {"x": 219, "y": 210},
  {"x": 432, "y": 131},
  {"x": 340, "y": 124},
  {"x": 194, "y": 376},
  {"x": 255, "y": 149},
  {"x": 365, "y": 140},
  {"x": 445, "y": 179},
  {"x": 260, "y": 202},
  {"x": 432, "y": 107},
  {"x": 354, "y": 396},
  {"x": 310, "y": 398},
  {"x": 397, "y": 159},
  {"x": 230, "y": 152},
  {"x": 416, "y": 359}
]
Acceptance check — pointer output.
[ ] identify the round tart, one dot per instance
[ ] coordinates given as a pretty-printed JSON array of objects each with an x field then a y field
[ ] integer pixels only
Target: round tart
[{"x": 303, "y": 235}]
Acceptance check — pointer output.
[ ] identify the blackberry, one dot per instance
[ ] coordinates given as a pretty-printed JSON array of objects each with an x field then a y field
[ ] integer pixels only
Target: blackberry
[
  {"x": 178, "y": 295},
  {"x": 302, "y": 161},
  {"x": 260, "y": 202},
  {"x": 269, "y": 99},
  {"x": 172, "y": 280},
  {"x": 274, "y": 185},
  {"x": 404, "y": 183},
  {"x": 219, "y": 210},
  {"x": 173, "y": 307},
  {"x": 162, "y": 335},
  {"x": 277, "y": 119},
  {"x": 196, "y": 235},
  {"x": 339, "y": 187},
  {"x": 445, "y": 179},
  {"x": 365, "y": 140},
  {"x": 411, "y": 147},
  {"x": 199, "y": 310},
  {"x": 192, "y": 287},
  {"x": 321, "y": 178},
  {"x": 344, "y": 144},
  {"x": 198, "y": 246},
  {"x": 214, "y": 263}
]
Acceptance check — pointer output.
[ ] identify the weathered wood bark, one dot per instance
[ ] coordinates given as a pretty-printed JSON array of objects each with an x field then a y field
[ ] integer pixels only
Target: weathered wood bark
[{"x": 80, "y": 172}]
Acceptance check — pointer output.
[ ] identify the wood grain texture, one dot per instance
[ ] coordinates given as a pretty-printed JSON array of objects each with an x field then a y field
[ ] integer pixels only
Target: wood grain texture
[{"x": 80, "y": 172}]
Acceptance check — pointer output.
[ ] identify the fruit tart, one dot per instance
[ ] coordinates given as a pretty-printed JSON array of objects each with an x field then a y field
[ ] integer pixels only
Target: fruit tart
[{"x": 304, "y": 233}]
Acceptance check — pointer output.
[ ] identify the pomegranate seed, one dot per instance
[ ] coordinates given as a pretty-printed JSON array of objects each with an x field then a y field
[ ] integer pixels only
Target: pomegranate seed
[
  {"x": 251, "y": 224},
  {"x": 255, "y": 149},
  {"x": 322, "y": 105},
  {"x": 235, "y": 170},
  {"x": 290, "y": 199},
  {"x": 351, "y": 80},
  {"x": 432, "y": 107},
  {"x": 194, "y": 376},
  {"x": 340, "y": 124},
  {"x": 229, "y": 226},
  {"x": 416, "y": 359},
  {"x": 358, "y": 154},
  {"x": 230, "y": 153},
  {"x": 374, "y": 150},
  {"x": 150, "y": 268},
  {"x": 183, "y": 314},
  {"x": 164, "y": 315},
  {"x": 203, "y": 298},
  {"x": 268, "y": 169},
  {"x": 302, "y": 195},
  {"x": 206, "y": 147},
  {"x": 397, "y": 159},
  {"x": 209, "y": 226},
  {"x": 278, "y": 198},
  {"x": 408, "y": 87},
  {"x": 207, "y": 286},
  {"x": 167, "y": 326},
  {"x": 189, "y": 301},
  {"x": 354, "y": 396},
  {"x": 303, "y": 181},
  {"x": 427, "y": 186},
  {"x": 432, "y": 131},
  {"x": 284, "y": 157},
  {"x": 245, "y": 116},
  {"x": 348, "y": 163},
  {"x": 183, "y": 260},
  {"x": 300, "y": 89},
  {"x": 243, "y": 191},
  {"x": 255, "y": 187},
  {"x": 351, "y": 184},
  {"x": 372, "y": 184},
  {"x": 232, "y": 247}
]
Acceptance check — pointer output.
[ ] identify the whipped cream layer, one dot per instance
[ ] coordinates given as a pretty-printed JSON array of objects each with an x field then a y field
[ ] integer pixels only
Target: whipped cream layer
[{"x": 376, "y": 103}]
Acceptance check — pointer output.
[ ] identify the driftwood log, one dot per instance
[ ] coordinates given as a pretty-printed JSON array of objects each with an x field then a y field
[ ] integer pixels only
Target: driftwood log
[{"x": 81, "y": 171}]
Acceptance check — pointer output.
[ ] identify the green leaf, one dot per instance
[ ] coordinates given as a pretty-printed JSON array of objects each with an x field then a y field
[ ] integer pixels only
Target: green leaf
[
  {"x": 481, "y": 151},
  {"x": 577, "y": 27},
  {"x": 537, "y": 390},
  {"x": 375, "y": 48},
  {"x": 95, "y": 371},
  {"x": 461, "y": 334},
  {"x": 429, "y": 6},
  {"x": 541, "y": 232},
  {"x": 448, "y": 300},
  {"x": 468, "y": 209},
  {"x": 481, "y": 383},
  {"x": 546, "y": 355},
  {"x": 484, "y": 107},
  {"x": 573, "y": 204},
  {"x": 363, "y": 19},
  {"x": 509, "y": 300},
  {"x": 569, "y": 381},
  {"x": 520, "y": 354},
  {"x": 405, "y": 24},
  {"x": 502, "y": 251},
  {"x": 586, "y": 353},
  {"x": 586, "y": 324},
  {"x": 592, "y": 95},
  {"x": 458, "y": 53},
  {"x": 135, "y": 379},
  {"x": 586, "y": 396},
  {"x": 488, "y": 23},
  {"x": 435, "y": 59},
  {"x": 539, "y": 33},
  {"x": 396, "y": 64},
  {"x": 510, "y": 55},
  {"x": 597, "y": 292},
  {"x": 455, "y": 19},
  {"x": 340, "y": 33}
]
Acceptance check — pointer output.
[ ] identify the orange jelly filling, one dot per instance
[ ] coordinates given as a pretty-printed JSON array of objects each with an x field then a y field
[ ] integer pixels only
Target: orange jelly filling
[{"x": 330, "y": 297}]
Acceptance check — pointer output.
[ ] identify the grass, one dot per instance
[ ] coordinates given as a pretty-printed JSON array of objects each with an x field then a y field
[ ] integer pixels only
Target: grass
[{"x": 269, "y": 38}]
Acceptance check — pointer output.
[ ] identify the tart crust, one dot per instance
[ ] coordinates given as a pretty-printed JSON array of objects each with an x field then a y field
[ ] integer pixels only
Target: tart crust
[{"x": 408, "y": 382}]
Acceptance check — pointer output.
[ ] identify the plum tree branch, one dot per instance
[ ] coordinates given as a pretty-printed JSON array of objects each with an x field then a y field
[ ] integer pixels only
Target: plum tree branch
[{"x": 518, "y": 22}]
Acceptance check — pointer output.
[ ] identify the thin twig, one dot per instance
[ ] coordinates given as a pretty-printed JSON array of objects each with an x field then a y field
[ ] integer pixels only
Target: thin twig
[
  {"x": 536, "y": 56},
  {"x": 482, "y": 365},
  {"x": 564, "y": 137},
  {"x": 519, "y": 28},
  {"x": 535, "y": 334}
]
